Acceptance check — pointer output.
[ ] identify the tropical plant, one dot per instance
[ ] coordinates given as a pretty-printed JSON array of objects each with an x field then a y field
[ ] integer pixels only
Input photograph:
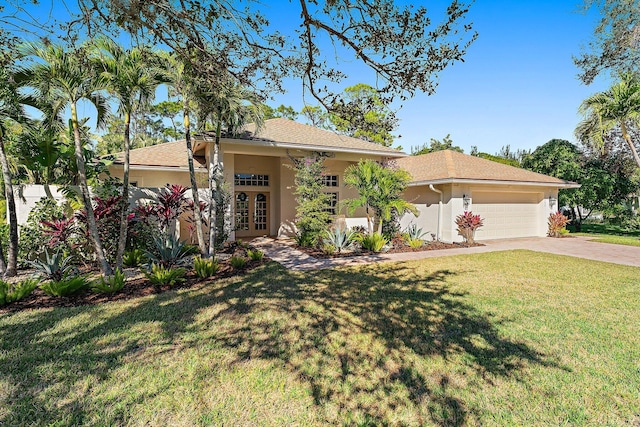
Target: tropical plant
[
  {"x": 328, "y": 249},
  {"x": 131, "y": 77},
  {"x": 160, "y": 275},
  {"x": 54, "y": 266},
  {"x": 168, "y": 251},
  {"x": 414, "y": 232},
  {"x": 62, "y": 75},
  {"x": 171, "y": 203},
  {"x": 380, "y": 189},
  {"x": 340, "y": 238},
  {"x": 373, "y": 242},
  {"x": 556, "y": 225},
  {"x": 227, "y": 105},
  {"x": 111, "y": 284},
  {"x": 134, "y": 258},
  {"x": 205, "y": 267},
  {"x": 414, "y": 243},
  {"x": 179, "y": 77},
  {"x": 467, "y": 224},
  {"x": 255, "y": 255},
  {"x": 33, "y": 239},
  {"x": 617, "y": 107},
  {"x": 66, "y": 286},
  {"x": 237, "y": 262},
  {"x": 11, "y": 292}
]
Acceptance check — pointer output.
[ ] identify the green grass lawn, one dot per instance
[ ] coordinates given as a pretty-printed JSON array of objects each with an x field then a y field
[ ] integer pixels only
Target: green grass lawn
[
  {"x": 604, "y": 233},
  {"x": 503, "y": 338}
]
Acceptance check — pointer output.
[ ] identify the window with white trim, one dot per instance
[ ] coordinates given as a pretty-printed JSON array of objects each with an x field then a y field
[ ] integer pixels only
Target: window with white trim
[{"x": 251, "y": 180}]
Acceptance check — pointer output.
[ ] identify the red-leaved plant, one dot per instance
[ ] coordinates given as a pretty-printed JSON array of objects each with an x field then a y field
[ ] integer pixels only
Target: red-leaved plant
[
  {"x": 467, "y": 224},
  {"x": 557, "y": 223},
  {"x": 59, "y": 231}
]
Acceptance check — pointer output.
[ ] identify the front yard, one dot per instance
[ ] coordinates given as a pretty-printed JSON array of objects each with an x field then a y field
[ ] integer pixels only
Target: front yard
[{"x": 506, "y": 338}]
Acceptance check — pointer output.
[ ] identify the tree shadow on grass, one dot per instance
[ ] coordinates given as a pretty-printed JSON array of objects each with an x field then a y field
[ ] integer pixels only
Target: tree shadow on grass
[{"x": 376, "y": 345}]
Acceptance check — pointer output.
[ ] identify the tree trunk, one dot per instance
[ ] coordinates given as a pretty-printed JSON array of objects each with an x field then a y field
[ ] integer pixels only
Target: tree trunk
[
  {"x": 86, "y": 197},
  {"x": 122, "y": 236},
  {"x": 627, "y": 138},
  {"x": 214, "y": 162},
  {"x": 12, "y": 251},
  {"x": 194, "y": 185}
]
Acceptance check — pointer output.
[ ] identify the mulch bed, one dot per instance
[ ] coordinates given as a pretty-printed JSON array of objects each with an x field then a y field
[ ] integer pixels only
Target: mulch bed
[
  {"x": 135, "y": 287},
  {"x": 430, "y": 246}
]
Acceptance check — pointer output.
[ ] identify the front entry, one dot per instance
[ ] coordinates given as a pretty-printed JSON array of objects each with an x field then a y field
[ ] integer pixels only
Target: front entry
[{"x": 252, "y": 213}]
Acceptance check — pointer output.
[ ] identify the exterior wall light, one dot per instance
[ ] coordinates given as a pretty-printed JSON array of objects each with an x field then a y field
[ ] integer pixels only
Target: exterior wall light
[
  {"x": 466, "y": 201},
  {"x": 552, "y": 201}
]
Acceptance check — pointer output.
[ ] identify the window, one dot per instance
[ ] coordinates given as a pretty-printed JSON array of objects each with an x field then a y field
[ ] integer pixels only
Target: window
[
  {"x": 332, "y": 206},
  {"x": 330, "y": 180},
  {"x": 251, "y": 180}
]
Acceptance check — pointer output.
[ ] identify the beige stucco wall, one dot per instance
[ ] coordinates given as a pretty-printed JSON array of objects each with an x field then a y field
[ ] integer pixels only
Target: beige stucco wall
[{"x": 509, "y": 200}]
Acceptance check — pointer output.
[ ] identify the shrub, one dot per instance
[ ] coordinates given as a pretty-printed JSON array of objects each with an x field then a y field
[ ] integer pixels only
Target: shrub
[
  {"x": 306, "y": 240},
  {"x": 255, "y": 255},
  {"x": 373, "y": 242},
  {"x": 134, "y": 258},
  {"x": 205, "y": 267},
  {"x": 328, "y": 248},
  {"x": 11, "y": 292},
  {"x": 467, "y": 224},
  {"x": 161, "y": 275},
  {"x": 111, "y": 284},
  {"x": 414, "y": 243},
  {"x": 340, "y": 238},
  {"x": 237, "y": 262},
  {"x": 67, "y": 286},
  {"x": 168, "y": 251},
  {"x": 54, "y": 266},
  {"x": 32, "y": 237},
  {"x": 557, "y": 223}
]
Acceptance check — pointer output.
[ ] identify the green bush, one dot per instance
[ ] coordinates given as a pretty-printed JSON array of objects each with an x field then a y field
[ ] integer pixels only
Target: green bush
[
  {"x": 11, "y": 292},
  {"x": 134, "y": 258},
  {"x": 161, "y": 275},
  {"x": 414, "y": 243},
  {"x": 255, "y": 255},
  {"x": 111, "y": 284},
  {"x": 373, "y": 242},
  {"x": 67, "y": 286},
  {"x": 328, "y": 249},
  {"x": 238, "y": 263},
  {"x": 205, "y": 267},
  {"x": 32, "y": 237}
]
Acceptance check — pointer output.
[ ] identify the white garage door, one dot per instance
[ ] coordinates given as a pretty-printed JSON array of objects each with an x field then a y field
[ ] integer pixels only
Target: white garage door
[{"x": 507, "y": 214}]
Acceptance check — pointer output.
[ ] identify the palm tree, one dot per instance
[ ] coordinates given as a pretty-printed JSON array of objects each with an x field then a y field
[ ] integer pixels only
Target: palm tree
[
  {"x": 379, "y": 188},
  {"x": 11, "y": 109},
  {"x": 617, "y": 107},
  {"x": 230, "y": 106},
  {"x": 62, "y": 74},
  {"x": 179, "y": 79},
  {"x": 131, "y": 77}
]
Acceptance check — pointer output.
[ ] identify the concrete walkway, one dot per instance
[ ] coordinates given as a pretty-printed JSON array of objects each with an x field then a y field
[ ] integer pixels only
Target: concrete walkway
[{"x": 284, "y": 252}]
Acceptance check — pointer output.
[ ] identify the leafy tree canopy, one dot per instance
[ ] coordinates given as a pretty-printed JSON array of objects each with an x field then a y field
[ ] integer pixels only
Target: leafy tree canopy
[
  {"x": 288, "y": 112},
  {"x": 436, "y": 145},
  {"x": 402, "y": 44},
  {"x": 615, "y": 42}
]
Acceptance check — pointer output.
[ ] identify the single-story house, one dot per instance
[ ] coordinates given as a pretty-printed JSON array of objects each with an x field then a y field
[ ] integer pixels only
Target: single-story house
[{"x": 257, "y": 168}]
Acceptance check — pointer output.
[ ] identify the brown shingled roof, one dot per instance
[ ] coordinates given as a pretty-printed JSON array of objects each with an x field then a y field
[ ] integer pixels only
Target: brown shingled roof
[
  {"x": 450, "y": 166},
  {"x": 285, "y": 131},
  {"x": 169, "y": 154}
]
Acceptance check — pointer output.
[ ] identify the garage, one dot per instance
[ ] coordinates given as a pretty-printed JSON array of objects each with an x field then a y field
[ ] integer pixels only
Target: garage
[{"x": 508, "y": 214}]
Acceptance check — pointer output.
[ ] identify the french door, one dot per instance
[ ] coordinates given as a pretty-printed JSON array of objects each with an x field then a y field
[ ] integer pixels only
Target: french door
[{"x": 251, "y": 213}]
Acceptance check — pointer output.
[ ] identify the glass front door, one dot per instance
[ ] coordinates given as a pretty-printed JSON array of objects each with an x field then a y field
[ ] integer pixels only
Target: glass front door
[{"x": 251, "y": 213}]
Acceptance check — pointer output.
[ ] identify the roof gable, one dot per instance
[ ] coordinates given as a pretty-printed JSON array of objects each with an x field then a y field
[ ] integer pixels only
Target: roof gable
[
  {"x": 452, "y": 166},
  {"x": 169, "y": 154}
]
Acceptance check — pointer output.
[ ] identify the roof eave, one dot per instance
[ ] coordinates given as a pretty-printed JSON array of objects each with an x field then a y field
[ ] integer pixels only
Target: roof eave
[
  {"x": 289, "y": 145},
  {"x": 494, "y": 182},
  {"x": 165, "y": 168}
]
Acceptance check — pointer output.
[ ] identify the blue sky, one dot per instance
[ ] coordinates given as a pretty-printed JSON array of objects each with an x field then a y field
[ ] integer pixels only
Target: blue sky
[{"x": 518, "y": 84}]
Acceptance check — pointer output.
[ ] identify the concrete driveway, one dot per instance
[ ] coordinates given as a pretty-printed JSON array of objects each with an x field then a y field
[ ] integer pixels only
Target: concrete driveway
[{"x": 284, "y": 252}]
